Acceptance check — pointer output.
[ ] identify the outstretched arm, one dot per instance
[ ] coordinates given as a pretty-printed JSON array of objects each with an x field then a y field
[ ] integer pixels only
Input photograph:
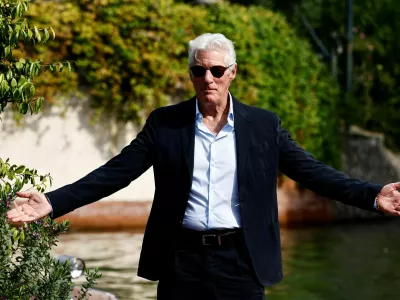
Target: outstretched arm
[
  {"x": 116, "y": 174},
  {"x": 299, "y": 165}
]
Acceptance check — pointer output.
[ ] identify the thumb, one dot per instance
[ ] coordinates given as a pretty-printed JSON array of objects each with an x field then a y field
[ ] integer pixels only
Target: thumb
[
  {"x": 23, "y": 194},
  {"x": 397, "y": 185}
]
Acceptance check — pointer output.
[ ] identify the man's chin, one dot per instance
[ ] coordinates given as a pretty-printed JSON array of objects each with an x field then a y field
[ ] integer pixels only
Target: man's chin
[
  {"x": 210, "y": 97},
  {"x": 209, "y": 100}
]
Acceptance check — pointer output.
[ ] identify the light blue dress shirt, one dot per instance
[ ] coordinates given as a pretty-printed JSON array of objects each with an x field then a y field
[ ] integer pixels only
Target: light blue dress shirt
[{"x": 213, "y": 200}]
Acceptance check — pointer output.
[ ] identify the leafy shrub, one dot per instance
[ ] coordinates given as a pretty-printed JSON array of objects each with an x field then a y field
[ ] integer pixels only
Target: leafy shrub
[{"x": 27, "y": 269}]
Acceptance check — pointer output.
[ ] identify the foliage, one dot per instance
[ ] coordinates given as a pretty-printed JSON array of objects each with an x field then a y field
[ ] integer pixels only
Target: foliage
[
  {"x": 16, "y": 86},
  {"x": 131, "y": 57},
  {"x": 27, "y": 269},
  {"x": 374, "y": 101}
]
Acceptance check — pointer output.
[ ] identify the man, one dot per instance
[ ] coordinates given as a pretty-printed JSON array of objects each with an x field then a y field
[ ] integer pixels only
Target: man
[{"x": 213, "y": 230}]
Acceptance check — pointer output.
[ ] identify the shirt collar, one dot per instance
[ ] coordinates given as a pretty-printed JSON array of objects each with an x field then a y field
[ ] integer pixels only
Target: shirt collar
[{"x": 199, "y": 116}]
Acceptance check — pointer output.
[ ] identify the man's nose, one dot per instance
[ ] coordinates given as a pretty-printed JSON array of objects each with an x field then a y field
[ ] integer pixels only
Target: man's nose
[{"x": 208, "y": 77}]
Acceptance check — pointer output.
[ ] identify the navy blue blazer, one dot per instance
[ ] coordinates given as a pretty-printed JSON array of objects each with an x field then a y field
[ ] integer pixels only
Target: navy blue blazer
[{"x": 167, "y": 143}]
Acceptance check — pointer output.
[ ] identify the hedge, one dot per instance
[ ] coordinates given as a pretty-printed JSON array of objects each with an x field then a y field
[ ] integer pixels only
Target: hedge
[{"x": 131, "y": 57}]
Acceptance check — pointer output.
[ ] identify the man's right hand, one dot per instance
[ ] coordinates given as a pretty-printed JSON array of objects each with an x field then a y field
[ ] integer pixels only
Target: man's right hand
[{"x": 29, "y": 206}]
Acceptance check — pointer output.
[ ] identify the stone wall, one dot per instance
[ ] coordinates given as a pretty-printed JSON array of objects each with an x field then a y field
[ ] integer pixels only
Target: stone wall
[{"x": 366, "y": 157}]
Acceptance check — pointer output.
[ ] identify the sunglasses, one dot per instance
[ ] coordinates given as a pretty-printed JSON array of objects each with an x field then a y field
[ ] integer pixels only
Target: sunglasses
[{"x": 216, "y": 71}]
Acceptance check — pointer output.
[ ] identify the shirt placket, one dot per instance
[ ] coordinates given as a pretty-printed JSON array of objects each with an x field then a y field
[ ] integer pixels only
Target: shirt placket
[
  {"x": 212, "y": 185},
  {"x": 211, "y": 182}
]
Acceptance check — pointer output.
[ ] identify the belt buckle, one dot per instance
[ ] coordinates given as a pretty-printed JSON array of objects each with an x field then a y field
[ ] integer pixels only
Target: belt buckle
[{"x": 205, "y": 243}]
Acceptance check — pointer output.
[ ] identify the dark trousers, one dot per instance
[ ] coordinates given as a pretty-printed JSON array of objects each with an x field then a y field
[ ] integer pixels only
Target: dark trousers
[{"x": 221, "y": 271}]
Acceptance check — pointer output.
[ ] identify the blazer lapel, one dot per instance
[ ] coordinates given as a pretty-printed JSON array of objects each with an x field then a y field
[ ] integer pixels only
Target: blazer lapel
[
  {"x": 187, "y": 135},
  {"x": 242, "y": 133}
]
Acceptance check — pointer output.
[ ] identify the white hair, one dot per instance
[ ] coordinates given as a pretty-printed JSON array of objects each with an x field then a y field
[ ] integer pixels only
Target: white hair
[{"x": 212, "y": 41}]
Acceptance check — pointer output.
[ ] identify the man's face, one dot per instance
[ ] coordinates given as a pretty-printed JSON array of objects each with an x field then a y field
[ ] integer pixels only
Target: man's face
[{"x": 211, "y": 90}]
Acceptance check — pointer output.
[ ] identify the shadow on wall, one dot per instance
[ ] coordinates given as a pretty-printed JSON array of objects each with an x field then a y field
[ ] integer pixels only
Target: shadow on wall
[{"x": 109, "y": 136}]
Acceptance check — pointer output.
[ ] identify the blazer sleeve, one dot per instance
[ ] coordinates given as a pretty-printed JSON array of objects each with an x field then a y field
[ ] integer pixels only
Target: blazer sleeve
[
  {"x": 302, "y": 167},
  {"x": 116, "y": 174}
]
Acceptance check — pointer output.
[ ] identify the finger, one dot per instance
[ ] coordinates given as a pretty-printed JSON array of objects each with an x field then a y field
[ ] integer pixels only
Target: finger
[
  {"x": 396, "y": 185},
  {"x": 14, "y": 216},
  {"x": 24, "y": 218},
  {"x": 18, "y": 202},
  {"x": 24, "y": 213},
  {"x": 14, "y": 211},
  {"x": 24, "y": 194}
]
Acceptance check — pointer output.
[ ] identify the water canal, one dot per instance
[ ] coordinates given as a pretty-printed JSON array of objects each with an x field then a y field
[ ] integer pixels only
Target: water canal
[{"x": 347, "y": 261}]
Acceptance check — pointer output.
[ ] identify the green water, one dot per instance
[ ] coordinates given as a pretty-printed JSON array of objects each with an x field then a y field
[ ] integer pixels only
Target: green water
[{"x": 351, "y": 261}]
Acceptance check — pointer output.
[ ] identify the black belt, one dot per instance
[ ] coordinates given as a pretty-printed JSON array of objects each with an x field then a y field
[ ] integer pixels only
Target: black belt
[{"x": 223, "y": 237}]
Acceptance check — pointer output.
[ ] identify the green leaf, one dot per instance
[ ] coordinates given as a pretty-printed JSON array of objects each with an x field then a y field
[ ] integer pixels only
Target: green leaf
[
  {"x": 18, "y": 9},
  {"x": 22, "y": 236},
  {"x": 46, "y": 35},
  {"x": 13, "y": 82},
  {"x": 19, "y": 65},
  {"x": 52, "y": 31},
  {"x": 10, "y": 175},
  {"x": 32, "y": 90},
  {"x": 38, "y": 105},
  {"x": 4, "y": 169},
  {"x": 25, "y": 6},
  {"x": 16, "y": 94},
  {"x": 24, "y": 108},
  {"x": 14, "y": 13},
  {"x": 32, "y": 70},
  {"x": 17, "y": 33},
  {"x": 7, "y": 51},
  {"x": 15, "y": 234},
  {"x": 37, "y": 34},
  {"x": 4, "y": 86},
  {"x": 9, "y": 74},
  {"x": 20, "y": 169}
]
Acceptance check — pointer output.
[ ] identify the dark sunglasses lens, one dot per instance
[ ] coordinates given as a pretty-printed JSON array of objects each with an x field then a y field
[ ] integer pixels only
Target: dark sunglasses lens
[
  {"x": 217, "y": 71},
  {"x": 198, "y": 71}
]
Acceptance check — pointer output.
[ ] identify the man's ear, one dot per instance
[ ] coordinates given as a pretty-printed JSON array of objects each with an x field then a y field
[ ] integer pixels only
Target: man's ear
[{"x": 232, "y": 75}]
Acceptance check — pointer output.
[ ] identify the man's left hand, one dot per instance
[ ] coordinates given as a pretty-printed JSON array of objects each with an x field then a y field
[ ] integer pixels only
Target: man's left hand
[{"x": 389, "y": 199}]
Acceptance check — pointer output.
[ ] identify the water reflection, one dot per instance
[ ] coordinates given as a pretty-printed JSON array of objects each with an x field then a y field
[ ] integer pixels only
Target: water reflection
[
  {"x": 353, "y": 261},
  {"x": 117, "y": 256}
]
